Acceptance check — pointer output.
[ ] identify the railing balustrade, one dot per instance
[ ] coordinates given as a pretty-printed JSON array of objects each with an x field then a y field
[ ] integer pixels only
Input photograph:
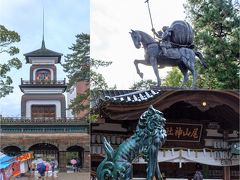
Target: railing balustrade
[
  {"x": 45, "y": 120},
  {"x": 45, "y": 130},
  {"x": 43, "y": 82},
  {"x": 43, "y": 125}
]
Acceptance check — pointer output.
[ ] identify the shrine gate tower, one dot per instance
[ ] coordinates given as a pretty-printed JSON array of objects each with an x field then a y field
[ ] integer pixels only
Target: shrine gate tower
[{"x": 43, "y": 92}]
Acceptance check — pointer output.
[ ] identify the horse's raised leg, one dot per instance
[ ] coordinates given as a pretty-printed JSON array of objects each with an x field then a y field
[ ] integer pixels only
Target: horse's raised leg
[
  {"x": 136, "y": 62},
  {"x": 153, "y": 62},
  {"x": 184, "y": 71}
]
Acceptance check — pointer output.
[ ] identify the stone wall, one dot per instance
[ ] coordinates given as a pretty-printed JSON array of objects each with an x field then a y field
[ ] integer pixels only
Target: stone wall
[{"x": 62, "y": 141}]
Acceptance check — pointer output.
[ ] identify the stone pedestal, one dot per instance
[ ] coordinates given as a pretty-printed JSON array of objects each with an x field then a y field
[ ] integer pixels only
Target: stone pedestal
[{"x": 62, "y": 161}]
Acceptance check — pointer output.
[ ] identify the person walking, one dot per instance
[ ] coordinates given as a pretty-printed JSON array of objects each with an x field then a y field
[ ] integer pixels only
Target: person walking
[
  {"x": 41, "y": 167},
  {"x": 78, "y": 165},
  {"x": 198, "y": 175},
  {"x": 53, "y": 164}
]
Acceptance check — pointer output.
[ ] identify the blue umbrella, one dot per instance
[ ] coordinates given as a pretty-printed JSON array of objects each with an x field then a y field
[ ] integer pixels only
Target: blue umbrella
[{"x": 41, "y": 167}]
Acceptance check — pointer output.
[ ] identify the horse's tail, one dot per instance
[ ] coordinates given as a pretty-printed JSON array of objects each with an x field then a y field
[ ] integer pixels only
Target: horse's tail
[
  {"x": 105, "y": 168},
  {"x": 202, "y": 60}
]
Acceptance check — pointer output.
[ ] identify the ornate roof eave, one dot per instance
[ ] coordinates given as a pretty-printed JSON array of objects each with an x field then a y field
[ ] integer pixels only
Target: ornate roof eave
[
  {"x": 132, "y": 101},
  {"x": 117, "y": 108},
  {"x": 43, "y": 52},
  {"x": 63, "y": 87}
]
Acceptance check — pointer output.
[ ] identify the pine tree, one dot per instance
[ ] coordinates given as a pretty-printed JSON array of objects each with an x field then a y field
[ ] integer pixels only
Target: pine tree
[
  {"x": 77, "y": 66},
  {"x": 143, "y": 85},
  {"x": 216, "y": 26},
  {"x": 7, "y": 39}
]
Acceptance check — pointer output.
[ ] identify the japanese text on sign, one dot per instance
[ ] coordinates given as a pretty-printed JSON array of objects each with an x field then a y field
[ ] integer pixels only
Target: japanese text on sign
[{"x": 183, "y": 132}]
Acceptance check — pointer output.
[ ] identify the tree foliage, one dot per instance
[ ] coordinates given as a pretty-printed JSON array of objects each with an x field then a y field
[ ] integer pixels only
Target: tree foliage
[
  {"x": 216, "y": 25},
  {"x": 173, "y": 78},
  {"x": 143, "y": 85},
  {"x": 77, "y": 66},
  {"x": 7, "y": 48},
  {"x": 97, "y": 80}
]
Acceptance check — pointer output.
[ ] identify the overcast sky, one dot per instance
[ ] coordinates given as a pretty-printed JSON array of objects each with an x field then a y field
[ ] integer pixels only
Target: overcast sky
[
  {"x": 63, "y": 20},
  {"x": 111, "y": 21}
]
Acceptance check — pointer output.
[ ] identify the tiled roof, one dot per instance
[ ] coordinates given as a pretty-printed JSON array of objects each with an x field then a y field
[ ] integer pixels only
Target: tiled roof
[
  {"x": 128, "y": 96},
  {"x": 43, "y": 52}
]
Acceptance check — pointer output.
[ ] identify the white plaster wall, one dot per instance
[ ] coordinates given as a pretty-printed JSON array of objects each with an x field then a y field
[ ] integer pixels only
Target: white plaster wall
[
  {"x": 43, "y": 60},
  {"x": 70, "y": 97},
  {"x": 43, "y": 102},
  {"x": 43, "y": 90}
]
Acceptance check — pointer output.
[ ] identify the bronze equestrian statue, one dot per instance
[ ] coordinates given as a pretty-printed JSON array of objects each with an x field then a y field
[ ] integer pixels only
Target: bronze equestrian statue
[{"x": 175, "y": 49}]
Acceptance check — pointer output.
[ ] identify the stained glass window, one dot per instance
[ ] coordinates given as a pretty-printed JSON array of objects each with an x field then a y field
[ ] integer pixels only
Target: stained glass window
[{"x": 43, "y": 75}]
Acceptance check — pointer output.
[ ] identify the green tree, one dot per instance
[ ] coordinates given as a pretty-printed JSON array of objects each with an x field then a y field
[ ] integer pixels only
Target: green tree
[
  {"x": 216, "y": 25},
  {"x": 97, "y": 80},
  {"x": 7, "y": 48},
  {"x": 173, "y": 78},
  {"x": 77, "y": 66},
  {"x": 143, "y": 84}
]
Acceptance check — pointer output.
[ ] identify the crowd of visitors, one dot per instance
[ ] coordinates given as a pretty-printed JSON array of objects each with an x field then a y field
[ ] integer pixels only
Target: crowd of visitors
[{"x": 43, "y": 168}]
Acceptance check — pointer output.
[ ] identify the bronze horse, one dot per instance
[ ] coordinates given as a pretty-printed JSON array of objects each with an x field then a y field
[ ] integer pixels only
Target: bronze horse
[{"x": 182, "y": 57}]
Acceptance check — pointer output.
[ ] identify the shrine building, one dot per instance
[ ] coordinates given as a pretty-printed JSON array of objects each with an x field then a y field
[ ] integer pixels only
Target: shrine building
[{"x": 202, "y": 130}]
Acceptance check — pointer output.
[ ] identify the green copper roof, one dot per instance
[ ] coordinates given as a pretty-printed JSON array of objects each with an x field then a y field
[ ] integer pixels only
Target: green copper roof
[{"x": 43, "y": 52}]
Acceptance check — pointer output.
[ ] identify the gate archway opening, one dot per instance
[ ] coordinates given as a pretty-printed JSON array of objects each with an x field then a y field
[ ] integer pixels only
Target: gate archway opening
[
  {"x": 45, "y": 151},
  {"x": 75, "y": 152},
  {"x": 11, "y": 150}
]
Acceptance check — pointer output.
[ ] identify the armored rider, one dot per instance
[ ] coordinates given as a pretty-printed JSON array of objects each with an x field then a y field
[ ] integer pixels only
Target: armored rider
[{"x": 164, "y": 37}]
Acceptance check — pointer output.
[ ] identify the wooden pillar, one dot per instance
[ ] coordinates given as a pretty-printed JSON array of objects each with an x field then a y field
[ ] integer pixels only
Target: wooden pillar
[
  {"x": 62, "y": 161},
  {"x": 227, "y": 174},
  {"x": 86, "y": 160}
]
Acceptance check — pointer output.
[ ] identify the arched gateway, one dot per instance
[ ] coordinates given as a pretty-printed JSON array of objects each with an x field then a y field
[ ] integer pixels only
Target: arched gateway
[
  {"x": 11, "y": 150},
  {"x": 77, "y": 153},
  {"x": 45, "y": 151}
]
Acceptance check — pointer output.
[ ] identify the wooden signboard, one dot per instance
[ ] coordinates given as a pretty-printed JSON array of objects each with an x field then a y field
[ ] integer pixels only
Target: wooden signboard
[{"x": 184, "y": 132}]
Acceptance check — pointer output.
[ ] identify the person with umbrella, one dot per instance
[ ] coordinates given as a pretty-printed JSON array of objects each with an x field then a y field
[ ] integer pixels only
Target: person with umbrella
[
  {"x": 41, "y": 167},
  {"x": 74, "y": 164}
]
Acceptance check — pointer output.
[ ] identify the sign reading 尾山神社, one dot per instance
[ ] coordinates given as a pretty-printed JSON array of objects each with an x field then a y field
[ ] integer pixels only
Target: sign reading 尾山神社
[{"x": 184, "y": 132}]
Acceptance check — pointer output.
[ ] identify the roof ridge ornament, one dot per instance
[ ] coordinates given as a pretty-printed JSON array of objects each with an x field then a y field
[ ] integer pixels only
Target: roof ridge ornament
[{"x": 43, "y": 42}]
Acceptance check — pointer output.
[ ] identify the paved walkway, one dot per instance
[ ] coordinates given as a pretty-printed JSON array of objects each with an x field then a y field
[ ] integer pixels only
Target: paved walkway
[
  {"x": 74, "y": 176},
  {"x": 62, "y": 176}
]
